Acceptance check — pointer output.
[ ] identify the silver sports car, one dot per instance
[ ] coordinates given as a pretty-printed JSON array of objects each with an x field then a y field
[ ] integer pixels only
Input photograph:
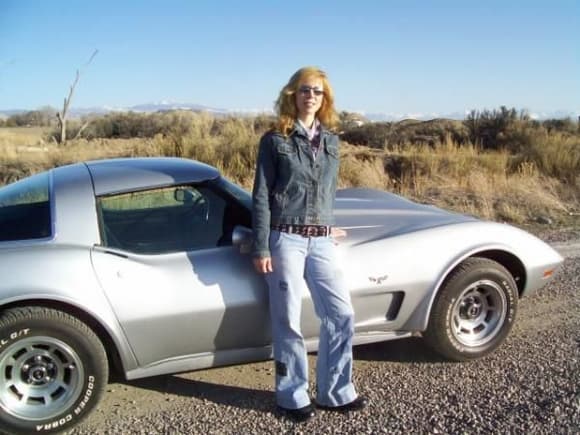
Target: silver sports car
[{"x": 142, "y": 265}]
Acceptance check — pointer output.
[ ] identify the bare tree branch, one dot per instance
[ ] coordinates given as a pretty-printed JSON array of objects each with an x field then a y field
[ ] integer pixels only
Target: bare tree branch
[
  {"x": 85, "y": 125},
  {"x": 62, "y": 116}
]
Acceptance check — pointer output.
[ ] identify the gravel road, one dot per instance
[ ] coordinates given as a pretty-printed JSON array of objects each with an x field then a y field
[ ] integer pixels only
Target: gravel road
[{"x": 531, "y": 385}]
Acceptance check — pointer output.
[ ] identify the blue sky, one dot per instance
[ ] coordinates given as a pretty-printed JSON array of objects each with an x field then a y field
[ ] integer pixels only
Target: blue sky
[{"x": 382, "y": 56}]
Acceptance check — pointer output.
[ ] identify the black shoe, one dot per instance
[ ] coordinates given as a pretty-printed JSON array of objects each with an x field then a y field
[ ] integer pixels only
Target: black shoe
[
  {"x": 356, "y": 405},
  {"x": 300, "y": 414}
]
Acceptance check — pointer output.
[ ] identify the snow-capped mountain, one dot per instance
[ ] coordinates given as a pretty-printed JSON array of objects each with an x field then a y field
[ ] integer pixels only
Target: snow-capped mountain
[
  {"x": 163, "y": 106},
  {"x": 538, "y": 115}
]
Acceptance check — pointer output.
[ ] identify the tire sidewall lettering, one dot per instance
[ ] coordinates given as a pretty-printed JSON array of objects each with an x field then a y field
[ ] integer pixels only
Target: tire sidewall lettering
[
  {"x": 55, "y": 424},
  {"x": 86, "y": 397},
  {"x": 13, "y": 336},
  {"x": 448, "y": 323},
  {"x": 510, "y": 294},
  {"x": 78, "y": 408}
]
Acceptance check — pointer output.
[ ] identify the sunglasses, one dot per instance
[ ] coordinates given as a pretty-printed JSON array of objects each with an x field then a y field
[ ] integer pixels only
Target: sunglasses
[{"x": 305, "y": 90}]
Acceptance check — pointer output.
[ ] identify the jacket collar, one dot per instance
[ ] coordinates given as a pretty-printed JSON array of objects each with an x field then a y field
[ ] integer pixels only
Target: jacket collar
[{"x": 299, "y": 129}]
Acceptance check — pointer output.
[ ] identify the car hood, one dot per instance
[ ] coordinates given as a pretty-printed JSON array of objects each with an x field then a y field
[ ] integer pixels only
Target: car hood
[{"x": 368, "y": 215}]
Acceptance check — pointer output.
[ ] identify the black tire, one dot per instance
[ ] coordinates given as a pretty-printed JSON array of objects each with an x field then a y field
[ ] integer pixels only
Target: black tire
[
  {"x": 474, "y": 311},
  {"x": 53, "y": 370}
]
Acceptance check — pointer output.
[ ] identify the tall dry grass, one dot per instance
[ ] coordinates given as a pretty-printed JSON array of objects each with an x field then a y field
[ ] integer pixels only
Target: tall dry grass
[
  {"x": 489, "y": 184},
  {"x": 542, "y": 180}
]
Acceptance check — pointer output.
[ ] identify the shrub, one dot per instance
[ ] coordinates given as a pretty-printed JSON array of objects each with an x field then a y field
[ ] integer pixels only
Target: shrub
[
  {"x": 566, "y": 125},
  {"x": 488, "y": 128},
  {"x": 388, "y": 135},
  {"x": 35, "y": 118}
]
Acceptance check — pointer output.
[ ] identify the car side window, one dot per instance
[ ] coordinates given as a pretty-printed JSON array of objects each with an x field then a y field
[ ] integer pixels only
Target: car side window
[
  {"x": 164, "y": 220},
  {"x": 25, "y": 209}
]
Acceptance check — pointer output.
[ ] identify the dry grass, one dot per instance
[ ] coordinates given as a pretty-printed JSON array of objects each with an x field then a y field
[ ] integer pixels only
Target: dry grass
[
  {"x": 488, "y": 184},
  {"x": 543, "y": 181},
  {"x": 557, "y": 155}
]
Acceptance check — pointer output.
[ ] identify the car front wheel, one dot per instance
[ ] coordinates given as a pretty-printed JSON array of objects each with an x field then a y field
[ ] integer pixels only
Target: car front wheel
[
  {"x": 474, "y": 310},
  {"x": 53, "y": 370}
]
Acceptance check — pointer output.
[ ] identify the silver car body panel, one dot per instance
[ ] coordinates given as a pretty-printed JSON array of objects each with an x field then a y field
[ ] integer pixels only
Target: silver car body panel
[
  {"x": 127, "y": 175},
  {"x": 60, "y": 269},
  {"x": 185, "y": 303},
  {"x": 189, "y": 310}
]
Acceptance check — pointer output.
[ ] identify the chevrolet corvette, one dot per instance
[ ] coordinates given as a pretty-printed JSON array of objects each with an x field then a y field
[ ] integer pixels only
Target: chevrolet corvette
[{"x": 143, "y": 266}]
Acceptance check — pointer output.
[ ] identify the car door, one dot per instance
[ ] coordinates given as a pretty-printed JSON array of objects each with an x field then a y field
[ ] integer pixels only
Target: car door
[{"x": 177, "y": 285}]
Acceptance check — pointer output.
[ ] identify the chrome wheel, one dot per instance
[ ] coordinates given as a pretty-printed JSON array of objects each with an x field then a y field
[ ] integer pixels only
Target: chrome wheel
[
  {"x": 474, "y": 310},
  {"x": 479, "y": 313},
  {"x": 39, "y": 377}
]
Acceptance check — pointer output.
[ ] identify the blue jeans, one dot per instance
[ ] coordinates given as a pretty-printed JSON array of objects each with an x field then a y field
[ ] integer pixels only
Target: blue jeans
[{"x": 298, "y": 261}]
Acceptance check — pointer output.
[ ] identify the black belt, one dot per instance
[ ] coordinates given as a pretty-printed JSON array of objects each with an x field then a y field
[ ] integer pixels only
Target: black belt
[{"x": 304, "y": 230}]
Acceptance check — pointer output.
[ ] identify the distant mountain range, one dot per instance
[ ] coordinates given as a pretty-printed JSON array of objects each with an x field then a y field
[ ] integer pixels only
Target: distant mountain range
[
  {"x": 168, "y": 106},
  {"x": 557, "y": 114}
]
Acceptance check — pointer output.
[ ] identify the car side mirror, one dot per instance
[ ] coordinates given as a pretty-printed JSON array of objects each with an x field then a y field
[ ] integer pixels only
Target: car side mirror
[
  {"x": 243, "y": 237},
  {"x": 182, "y": 195}
]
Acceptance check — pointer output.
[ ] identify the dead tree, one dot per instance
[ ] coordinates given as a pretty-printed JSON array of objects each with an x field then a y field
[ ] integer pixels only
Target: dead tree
[{"x": 62, "y": 115}]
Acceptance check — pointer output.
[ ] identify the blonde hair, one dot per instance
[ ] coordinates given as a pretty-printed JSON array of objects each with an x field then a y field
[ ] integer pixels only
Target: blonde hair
[{"x": 286, "y": 102}]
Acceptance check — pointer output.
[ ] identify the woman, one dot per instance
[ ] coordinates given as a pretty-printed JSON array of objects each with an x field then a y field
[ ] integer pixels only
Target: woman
[{"x": 294, "y": 190}]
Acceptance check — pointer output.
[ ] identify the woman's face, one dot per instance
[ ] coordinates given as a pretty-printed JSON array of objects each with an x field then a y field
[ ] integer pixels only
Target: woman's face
[{"x": 309, "y": 97}]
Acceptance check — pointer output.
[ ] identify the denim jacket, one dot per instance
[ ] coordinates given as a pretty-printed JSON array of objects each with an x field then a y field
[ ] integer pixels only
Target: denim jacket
[{"x": 291, "y": 186}]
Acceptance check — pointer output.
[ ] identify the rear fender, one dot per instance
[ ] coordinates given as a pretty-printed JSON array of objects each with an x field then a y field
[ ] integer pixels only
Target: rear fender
[{"x": 109, "y": 332}]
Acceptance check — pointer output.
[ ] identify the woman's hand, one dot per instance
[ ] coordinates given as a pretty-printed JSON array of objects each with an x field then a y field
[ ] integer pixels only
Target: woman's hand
[
  {"x": 263, "y": 265},
  {"x": 337, "y": 233}
]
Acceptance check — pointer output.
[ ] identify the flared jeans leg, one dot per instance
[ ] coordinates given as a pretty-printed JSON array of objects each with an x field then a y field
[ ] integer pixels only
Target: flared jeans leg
[
  {"x": 299, "y": 262},
  {"x": 286, "y": 284},
  {"x": 334, "y": 309}
]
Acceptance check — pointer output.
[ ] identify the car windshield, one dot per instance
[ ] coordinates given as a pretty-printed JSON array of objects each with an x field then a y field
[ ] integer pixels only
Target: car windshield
[{"x": 25, "y": 209}]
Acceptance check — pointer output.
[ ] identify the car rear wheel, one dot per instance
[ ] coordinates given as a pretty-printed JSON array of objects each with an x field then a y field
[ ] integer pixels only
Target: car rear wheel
[
  {"x": 474, "y": 310},
  {"x": 53, "y": 370}
]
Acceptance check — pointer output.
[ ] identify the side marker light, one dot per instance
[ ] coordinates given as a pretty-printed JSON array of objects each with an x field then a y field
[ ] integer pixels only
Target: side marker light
[{"x": 548, "y": 273}]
